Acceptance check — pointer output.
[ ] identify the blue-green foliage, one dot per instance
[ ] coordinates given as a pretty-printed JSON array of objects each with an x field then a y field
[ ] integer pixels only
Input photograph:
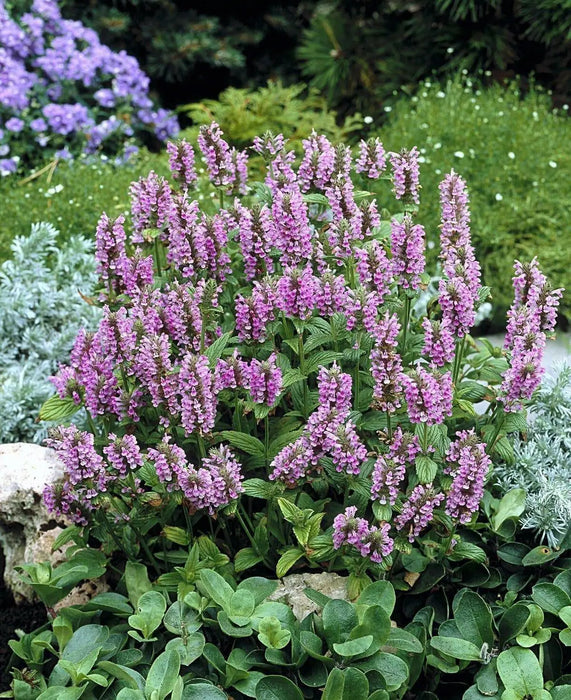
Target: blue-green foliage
[
  {"x": 41, "y": 312},
  {"x": 543, "y": 460}
]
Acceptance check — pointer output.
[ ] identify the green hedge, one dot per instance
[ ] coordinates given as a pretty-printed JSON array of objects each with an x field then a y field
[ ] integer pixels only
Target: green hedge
[
  {"x": 515, "y": 154},
  {"x": 71, "y": 196}
]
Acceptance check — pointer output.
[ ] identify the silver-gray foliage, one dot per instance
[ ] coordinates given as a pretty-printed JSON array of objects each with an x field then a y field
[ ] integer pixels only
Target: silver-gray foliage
[
  {"x": 41, "y": 310},
  {"x": 543, "y": 460}
]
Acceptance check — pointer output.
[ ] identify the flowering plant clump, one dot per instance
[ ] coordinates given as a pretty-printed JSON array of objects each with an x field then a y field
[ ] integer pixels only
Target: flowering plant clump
[
  {"x": 62, "y": 92},
  {"x": 264, "y": 349}
]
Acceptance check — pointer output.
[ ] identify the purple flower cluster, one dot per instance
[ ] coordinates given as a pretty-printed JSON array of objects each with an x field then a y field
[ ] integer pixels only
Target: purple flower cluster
[
  {"x": 386, "y": 366},
  {"x": 390, "y": 469},
  {"x": 468, "y": 464},
  {"x": 405, "y": 175},
  {"x": 418, "y": 510},
  {"x": 458, "y": 292},
  {"x": 532, "y": 315},
  {"x": 60, "y": 86},
  {"x": 264, "y": 380},
  {"x": 438, "y": 341},
  {"x": 372, "y": 158},
  {"x": 370, "y": 541},
  {"x": 227, "y": 167},
  {"x": 407, "y": 247},
  {"x": 428, "y": 395},
  {"x": 327, "y": 432}
]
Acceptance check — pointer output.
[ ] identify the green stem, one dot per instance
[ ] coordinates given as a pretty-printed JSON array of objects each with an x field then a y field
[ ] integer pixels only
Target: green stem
[
  {"x": 406, "y": 320},
  {"x": 221, "y": 198},
  {"x": 425, "y": 438},
  {"x": 357, "y": 378},
  {"x": 267, "y": 440},
  {"x": 147, "y": 550},
  {"x": 389, "y": 427},
  {"x": 499, "y": 424},
  {"x": 302, "y": 368},
  {"x": 201, "y": 445},
  {"x": 458, "y": 357}
]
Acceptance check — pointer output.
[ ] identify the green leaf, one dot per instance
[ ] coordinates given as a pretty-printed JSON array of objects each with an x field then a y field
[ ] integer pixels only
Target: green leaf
[
  {"x": 287, "y": 560},
  {"x": 59, "y": 693},
  {"x": 260, "y": 588},
  {"x": 272, "y": 635},
  {"x": 512, "y": 505},
  {"x": 375, "y": 622},
  {"x": 290, "y": 511},
  {"x": 216, "y": 587},
  {"x": 181, "y": 620},
  {"x": 541, "y": 555},
  {"x": 346, "y": 684},
  {"x": 163, "y": 674},
  {"x": 565, "y": 615},
  {"x": 520, "y": 672},
  {"x": 189, "y": 649},
  {"x": 339, "y": 618},
  {"x": 379, "y": 593},
  {"x": 426, "y": 469},
  {"x": 230, "y": 629},
  {"x": 550, "y": 597},
  {"x": 241, "y": 606},
  {"x": 323, "y": 358},
  {"x": 245, "y": 559},
  {"x": 513, "y": 621},
  {"x": 150, "y": 610},
  {"x": 258, "y": 488},
  {"x": 561, "y": 692},
  {"x": 291, "y": 376},
  {"x": 473, "y": 618},
  {"x": 403, "y": 641},
  {"x": 487, "y": 680},
  {"x": 565, "y": 637},
  {"x": 137, "y": 581},
  {"x": 353, "y": 647},
  {"x": 110, "y": 602},
  {"x": 393, "y": 669},
  {"x": 504, "y": 450},
  {"x": 456, "y": 648},
  {"x": 277, "y": 688},
  {"x": 215, "y": 350},
  {"x": 56, "y": 409},
  {"x": 244, "y": 442},
  {"x": 203, "y": 691},
  {"x": 127, "y": 675}
]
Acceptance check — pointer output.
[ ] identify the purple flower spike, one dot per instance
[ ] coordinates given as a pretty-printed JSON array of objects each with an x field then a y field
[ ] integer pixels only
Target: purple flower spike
[
  {"x": 407, "y": 246},
  {"x": 418, "y": 510},
  {"x": 181, "y": 162},
  {"x": 406, "y": 174},
  {"x": 468, "y": 464},
  {"x": 428, "y": 396},
  {"x": 372, "y": 159}
]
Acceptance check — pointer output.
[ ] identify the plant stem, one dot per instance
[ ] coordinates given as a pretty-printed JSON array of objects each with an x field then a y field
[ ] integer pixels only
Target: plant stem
[
  {"x": 425, "y": 438},
  {"x": 389, "y": 427},
  {"x": 406, "y": 319},
  {"x": 302, "y": 368},
  {"x": 221, "y": 198},
  {"x": 147, "y": 550},
  {"x": 458, "y": 357},
  {"x": 266, "y": 440},
  {"x": 357, "y": 378}
]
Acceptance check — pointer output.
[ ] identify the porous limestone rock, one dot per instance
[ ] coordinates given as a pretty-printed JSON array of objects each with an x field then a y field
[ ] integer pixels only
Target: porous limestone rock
[
  {"x": 291, "y": 591},
  {"x": 26, "y": 529}
]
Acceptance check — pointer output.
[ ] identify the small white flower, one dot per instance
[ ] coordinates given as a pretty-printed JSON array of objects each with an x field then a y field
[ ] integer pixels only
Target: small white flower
[
  {"x": 498, "y": 197},
  {"x": 565, "y": 107},
  {"x": 552, "y": 164},
  {"x": 437, "y": 146},
  {"x": 500, "y": 114},
  {"x": 459, "y": 154},
  {"x": 449, "y": 50},
  {"x": 511, "y": 155},
  {"x": 388, "y": 108},
  {"x": 438, "y": 171},
  {"x": 421, "y": 159},
  {"x": 476, "y": 107},
  {"x": 535, "y": 183},
  {"x": 368, "y": 120},
  {"x": 430, "y": 245},
  {"x": 440, "y": 94}
]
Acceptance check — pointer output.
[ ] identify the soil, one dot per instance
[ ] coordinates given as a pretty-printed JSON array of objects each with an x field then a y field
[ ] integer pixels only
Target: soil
[{"x": 13, "y": 617}]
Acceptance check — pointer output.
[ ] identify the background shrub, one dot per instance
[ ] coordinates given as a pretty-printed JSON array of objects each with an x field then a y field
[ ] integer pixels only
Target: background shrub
[
  {"x": 514, "y": 153},
  {"x": 42, "y": 311},
  {"x": 359, "y": 52},
  {"x": 72, "y": 195}
]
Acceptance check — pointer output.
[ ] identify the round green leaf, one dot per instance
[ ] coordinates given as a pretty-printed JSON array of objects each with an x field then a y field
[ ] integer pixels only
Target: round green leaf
[
  {"x": 353, "y": 646},
  {"x": 203, "y": 691},
  {"x": 277, "y": 688},
  {"x": 456, "y": 648},
  {"x": 520, "y": 671}
]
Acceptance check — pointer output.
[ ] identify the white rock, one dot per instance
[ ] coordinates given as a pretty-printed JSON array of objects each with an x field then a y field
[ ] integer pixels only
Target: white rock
[
  {"x": 25, "y": 469},
  {"x": 291, "y": 591}
]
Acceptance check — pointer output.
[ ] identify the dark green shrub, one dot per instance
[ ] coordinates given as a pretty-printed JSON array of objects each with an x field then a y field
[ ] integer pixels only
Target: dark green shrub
[{"x": 359, "y": 52}]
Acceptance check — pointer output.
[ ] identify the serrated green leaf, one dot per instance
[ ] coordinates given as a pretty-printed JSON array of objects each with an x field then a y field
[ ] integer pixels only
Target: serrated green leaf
[
  {"x": 56, "y": 409},
  {"x": 242, "y": 441}
]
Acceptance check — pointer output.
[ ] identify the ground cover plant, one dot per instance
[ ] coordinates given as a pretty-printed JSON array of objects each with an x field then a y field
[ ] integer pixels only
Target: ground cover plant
[
  {"x": 41, "y": 289},
  {"x": 261, "y": 399},
  {"x": 65, "y": 93},
  {"x": 71, "y": 195},
  {"x": 513, "y": 150}
]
